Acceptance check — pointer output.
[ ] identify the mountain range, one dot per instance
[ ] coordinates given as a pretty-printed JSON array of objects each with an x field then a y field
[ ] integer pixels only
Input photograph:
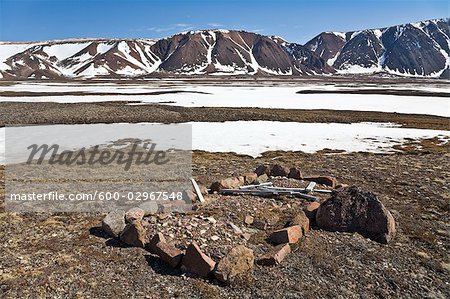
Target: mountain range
[{"x": 419, "y": 49}]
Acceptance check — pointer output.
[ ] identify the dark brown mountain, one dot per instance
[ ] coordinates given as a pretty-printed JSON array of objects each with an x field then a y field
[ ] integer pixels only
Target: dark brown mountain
[
  {"x": 190, "y": 53},
  {"x": 415, "y": 49}
]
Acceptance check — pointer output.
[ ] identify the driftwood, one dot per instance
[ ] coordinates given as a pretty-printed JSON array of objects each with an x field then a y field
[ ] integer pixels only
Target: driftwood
[
  {"x": 267, "y": 190},
  {"x": 197, "y": 190}
]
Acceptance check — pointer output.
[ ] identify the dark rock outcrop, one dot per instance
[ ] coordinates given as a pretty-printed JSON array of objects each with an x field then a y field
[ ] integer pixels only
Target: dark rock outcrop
[{"x": 353, "y": 210}]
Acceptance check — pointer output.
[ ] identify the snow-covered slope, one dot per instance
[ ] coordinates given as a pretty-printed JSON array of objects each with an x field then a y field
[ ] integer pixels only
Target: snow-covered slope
[
  {"x": 217, "y": 52},
  {"x": 414, "y": 49}
]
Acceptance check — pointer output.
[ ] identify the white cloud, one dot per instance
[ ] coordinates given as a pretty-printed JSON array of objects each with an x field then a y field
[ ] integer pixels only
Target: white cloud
[{"x": 216, "y": 25}]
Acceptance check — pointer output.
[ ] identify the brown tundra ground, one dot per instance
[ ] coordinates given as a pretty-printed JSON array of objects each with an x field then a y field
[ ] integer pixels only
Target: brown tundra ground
[{"x": 67, "y": 255}]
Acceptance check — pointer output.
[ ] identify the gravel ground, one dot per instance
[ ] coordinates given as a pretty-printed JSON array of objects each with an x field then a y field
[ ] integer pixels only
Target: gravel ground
[
  {"x": 17, "y": 113},
  {"x": 68, "y": 256}
]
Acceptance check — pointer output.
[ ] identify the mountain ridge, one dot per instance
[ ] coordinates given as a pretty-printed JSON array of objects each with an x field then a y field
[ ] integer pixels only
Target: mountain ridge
[{"x": 420, "y": 49}]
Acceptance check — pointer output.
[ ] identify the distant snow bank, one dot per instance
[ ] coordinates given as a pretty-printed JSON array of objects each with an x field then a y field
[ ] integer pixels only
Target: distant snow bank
[{"x": 280, "y": 97}]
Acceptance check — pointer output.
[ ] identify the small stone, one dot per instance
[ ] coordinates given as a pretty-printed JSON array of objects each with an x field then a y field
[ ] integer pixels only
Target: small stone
[
  {"x": 235, "y": 228},
  {"x": 134, "y": 214},
  {"x": 260, "y": 224},
  {"x": 149, "y": 208},
  {"x": 311, "y": 210},
  {"x": 290, "y": 235},
  {"x": 215, "y": 238},
  {"x": 249, "y": 220},
  {"x": 341, "y": 186},
  {"x": 250, "y": 178},
  {"x": 246, "y": 236},
  {"x": 238, "y": 260},
  {"x": 202, "y": 231},
  {"x": 114, "y": 223},
  {"x": 190, "y": 195},
  {"x": 262, "y": 169},
  {"x": 274, "y": 256},
  {"x": 196, "y": 262},
  {"x": 228, "y": 183},
  {"x": 211, "y": 220},
  {"x": 203, "y": 189},
  {"x": 325, "y": 180},
  {"x": 301, "y": 220},
  {"x": 169, "y": 254},
  {"x": 133, "y": 234},
  {"x": 446, "y": 266},
  {"x": 262, "y": 179},
  {"x": 423, "y": 255},
  {"x": 279, "y": 170},
  {"x": 295, "y": 173}
]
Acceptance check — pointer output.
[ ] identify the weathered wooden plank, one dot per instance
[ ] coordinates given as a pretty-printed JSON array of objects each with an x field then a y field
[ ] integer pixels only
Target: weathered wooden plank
[{"x": 197, "y": 190}]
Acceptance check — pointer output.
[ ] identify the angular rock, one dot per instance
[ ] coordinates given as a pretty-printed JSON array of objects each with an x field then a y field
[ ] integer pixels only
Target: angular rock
[
  {"x": 279, "y": 170},
  {"x": 352, "y": 210},
  {"x": 151, "y": 246},
  {"x": 301, "y": 220},
  {"x": 295, "y": 173},
  {"x": 169, "y": 254},
  {"x": 134, "y": 234},
  {"x": 196, "y": 262},
  {"x": 325, "y": 180},
  {"x": 114, "y": 223},
  {"x": 238, "y": 260},
  {"x": 274, "y": 256},
  {"x": 149, "y": 208},
  {"x": 228, "y": 183},
  {"x": 203, "y": 189},
  {"x": 290, "y": 235},
  {"x": 134, "y": 214},
  {"x": 235, "y": 228},
  {"x": 249, "y": 219},
  {"x": 311, "y": 210},
  {"x": 250, "y": 178},
  {"x": 262, "y": 179},
  {"x": 260, "y": 224},
  {"x": 262, "y": 169},
  {"x": 189, "y": 195},
  {"x": 341, "y": 186}
]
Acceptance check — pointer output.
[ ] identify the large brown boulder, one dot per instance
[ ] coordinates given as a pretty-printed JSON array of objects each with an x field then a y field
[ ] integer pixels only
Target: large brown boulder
[
  {"x": 239, "y": 259},
  {"x": 262, "y": 169},
  {"x": 352, "y": 210},
  {"x": 295, "y": 173},
  {"x": 279, "y": 170}
]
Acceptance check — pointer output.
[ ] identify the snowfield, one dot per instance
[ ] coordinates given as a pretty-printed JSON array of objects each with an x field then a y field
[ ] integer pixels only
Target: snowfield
[
  {"x": 281, "y": 97},
  {"x": 246, "y": 137}
]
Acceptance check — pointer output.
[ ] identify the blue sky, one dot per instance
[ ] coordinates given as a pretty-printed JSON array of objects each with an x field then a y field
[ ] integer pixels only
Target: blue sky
[{"x": 297, "y": 21}]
